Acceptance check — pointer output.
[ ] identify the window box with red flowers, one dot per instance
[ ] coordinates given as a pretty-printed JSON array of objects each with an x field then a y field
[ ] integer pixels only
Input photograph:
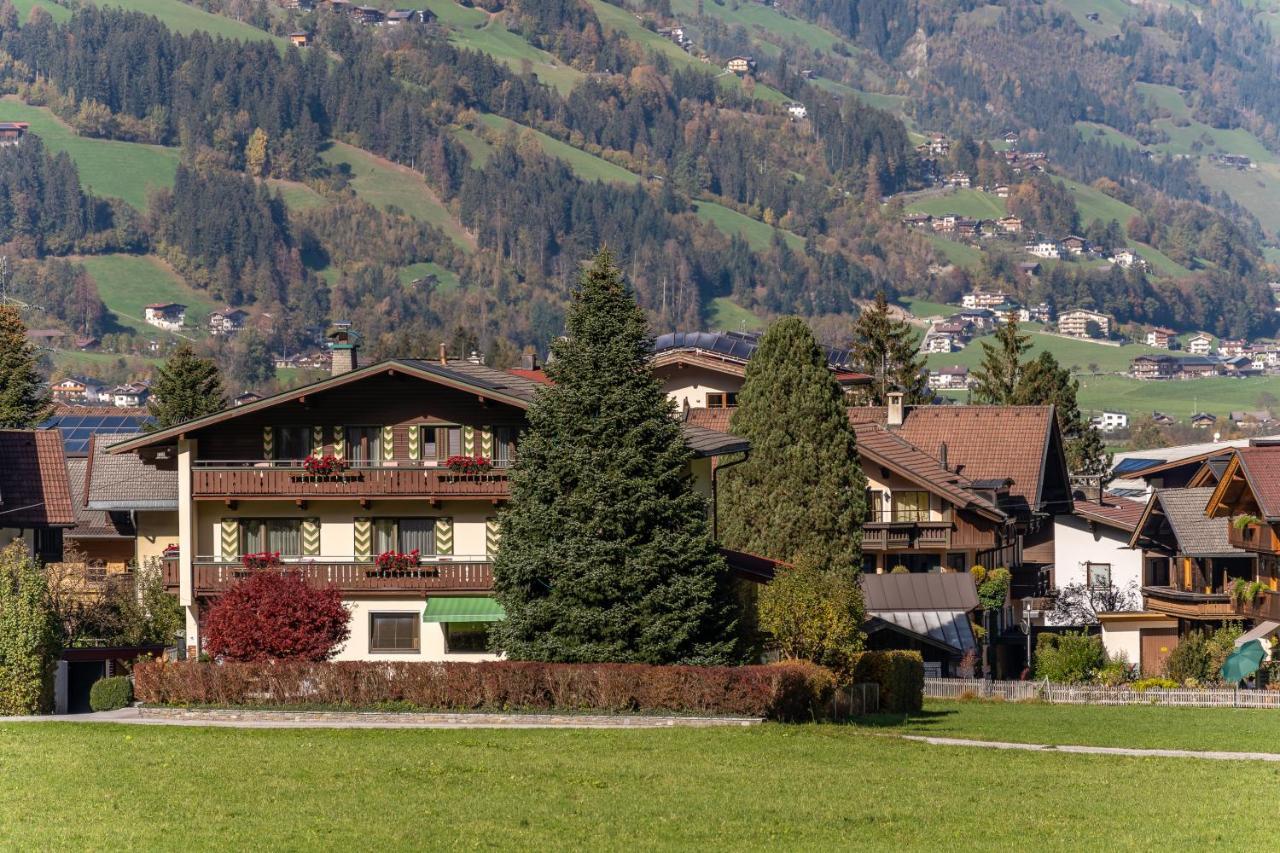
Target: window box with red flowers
[
  {"x": 468, "y": 464},
  {"x": 324, "y": 466},
  {"x": 391, "y": 564},
  {"x": 261, "y": 560}
]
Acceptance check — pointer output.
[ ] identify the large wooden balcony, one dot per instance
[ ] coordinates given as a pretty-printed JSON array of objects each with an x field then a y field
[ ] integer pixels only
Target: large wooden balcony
[
  {"x": 903, "y": 535},
  {"x": 233, "y": 480},
  {"x": 1188, "y": 604},
  {"x": 1266, "y": 607},
  {"x": 1258, "y": 538},
  {"x": 460, "y": 574}
]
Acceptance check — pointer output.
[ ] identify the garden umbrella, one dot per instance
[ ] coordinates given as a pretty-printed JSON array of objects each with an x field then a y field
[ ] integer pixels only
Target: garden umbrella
[{"x": 1243, "y": 662}]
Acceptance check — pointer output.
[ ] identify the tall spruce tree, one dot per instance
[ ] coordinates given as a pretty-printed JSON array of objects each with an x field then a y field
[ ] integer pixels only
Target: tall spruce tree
[
  {"x": 606, "y": 550},
  {"x": 187, "y": 386},
  {"x": 886, "y": 349},
  {"x": 801, "y": 492},
  {"x": 24, "y": 401},
  {"x": 996, "y": 380}
]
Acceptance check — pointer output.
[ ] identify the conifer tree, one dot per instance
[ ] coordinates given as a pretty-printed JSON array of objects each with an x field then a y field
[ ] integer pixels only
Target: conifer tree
[
  {"x": 24, "y": 402},
  {"x": 886, "y": 349},
  {"x": 606, "y": 550},
  {"x": 801, "y": 491},
  {"x": 187, "y": 386},
  {"x": 996, "y": 381}
]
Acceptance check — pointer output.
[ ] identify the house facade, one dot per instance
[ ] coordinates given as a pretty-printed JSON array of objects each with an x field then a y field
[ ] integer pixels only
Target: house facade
[
  {"x": 1076, "y": 323},
  {"x": 166, "y": 315},
  {"x": 248, "y": 483},
  {"x": 1201, "y": 344}
]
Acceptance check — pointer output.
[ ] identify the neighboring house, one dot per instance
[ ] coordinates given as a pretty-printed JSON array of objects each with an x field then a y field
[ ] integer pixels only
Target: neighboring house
[
  {"x": 960, "y": 180},
  {"x": 300, "y": 39},
  {"x": 131, "y": 395},
  {"x": 396, "y": 17},
  {"x": 1038, "y": 313},
  {"x": 35, "y": 494},
  {"x": 1076, "y": 323},
  {"x": 166, "y": 315},
  {"x": 955, "y": 378},
  {"x": 11, "y": 132},
  {"x": 938, "y": 342},
  {"x": 243, "y": 490},
  {"x": 246, "y": 398},
  {"x": 1075, "y": 245},
  {"x": 797, "y": 110},
  {"x": 1239, "y": 365},
  {"x": 228, "y": 321},
  {"x": 1194, "y": 366},
  {"x": 1160, "y": 337},
  {"x": 1010, "y": 224},
  {"x": 1046, "y": 249},
  {"x": 47, "y": 338},
  {"x": 1028, "y": 269},
  {"x": 1125, "y": 258},
  {"x": 1111, "y": 421},
  {"x": 706, "y": 369},
  {"x": 1203, "y": 420},
  {"x": 77, "y": 389},
  {"x": 106, "y": 539},
  {"x": 144, "y": 490},
  {"x": 1252, "y": 420},
  {"x": 1153, "y": 367},
  {"x": 925, "y": 613},
  {"x": 1233, "y": 347},
  {"x": 1001, "y": 190},
  {"x": 917, "y": 220},
  {"x": 1201, "y": 344},
  {"x": 741, "y": 65},
  {"x": 984, "y": 299}
]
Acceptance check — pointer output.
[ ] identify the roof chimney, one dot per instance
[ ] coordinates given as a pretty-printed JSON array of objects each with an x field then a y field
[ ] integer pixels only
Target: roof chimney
[
  {"x": 942, "y": 454},
  {"x": 895, "y": 413},
  {"x": 343, "y": 344},
  {"x": 529, "y": 361},
  {"x": 444, "y": 353}
]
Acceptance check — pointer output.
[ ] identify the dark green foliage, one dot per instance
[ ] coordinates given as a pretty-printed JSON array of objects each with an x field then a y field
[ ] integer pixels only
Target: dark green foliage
[
  {"x": 996, "y": 380},
  {"x": 801, "y": 491},
  {"x": 606, "y": 550},
  {"x": 111, "y": 694},
  {"x": 186, "y": 387},
  {"x": 900, "y": 675},
  {"x": 1197, "y": 659},
  {"x": 24, "y": 400},
  {"x": 1072, "y": 657},
  {"x": 886, "y": 349},
  {"x": 28, "y": 635}
]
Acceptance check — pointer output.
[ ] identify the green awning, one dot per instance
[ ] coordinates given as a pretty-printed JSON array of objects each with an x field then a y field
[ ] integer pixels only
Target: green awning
[{"x": 461, "y": 608}]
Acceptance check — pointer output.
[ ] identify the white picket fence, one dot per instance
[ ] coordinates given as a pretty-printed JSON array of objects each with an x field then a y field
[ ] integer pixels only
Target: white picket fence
[{"x": 1075, "y": 694}]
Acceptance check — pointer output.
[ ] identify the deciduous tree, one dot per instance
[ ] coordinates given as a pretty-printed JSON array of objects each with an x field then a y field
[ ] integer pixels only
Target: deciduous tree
[{"x": 275, "y": 615}]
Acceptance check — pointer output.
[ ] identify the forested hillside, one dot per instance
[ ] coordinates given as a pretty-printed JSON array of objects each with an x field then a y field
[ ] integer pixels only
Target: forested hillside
[{"x": 443, "y": 180}]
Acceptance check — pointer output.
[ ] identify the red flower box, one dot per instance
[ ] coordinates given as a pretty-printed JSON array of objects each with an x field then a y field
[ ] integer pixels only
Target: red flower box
[
  {"x": 468, "y": 464},
  {"x": 324, "y": 465},
  {"x": 262, "y": 560},
  {"x": 394, "y": 561}
]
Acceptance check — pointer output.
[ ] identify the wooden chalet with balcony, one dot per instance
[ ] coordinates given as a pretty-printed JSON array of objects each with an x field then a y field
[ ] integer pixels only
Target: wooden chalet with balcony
[
  {"x": 400, "y": 456},
  {"x": 1246, "y": 501}
]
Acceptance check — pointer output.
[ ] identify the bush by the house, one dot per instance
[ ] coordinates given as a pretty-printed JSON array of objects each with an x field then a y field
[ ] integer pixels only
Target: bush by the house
[
  {"x": 795, "y": 690},
  {"x": 277, "y": 616},
  {"x": 108, "y": 694},
  {"x": 900, "y": 675},
  {"x": 1199, "y": 655},
  {"x": 28, "y": 635},
  {"x": 1072, "y": 657}
]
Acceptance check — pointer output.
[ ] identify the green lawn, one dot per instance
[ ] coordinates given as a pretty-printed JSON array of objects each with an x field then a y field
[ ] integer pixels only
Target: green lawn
[
  {"x": 770, "y": 787},
  {"x": 1136, "y": 726},
  {"x": 297, "y": 196},
  {"x": 476, "y": 147},
  {"x": 384, "y": 184},
  {"x": 1093, "y": 130},
  {"x": 185, "y": 18},
  {"x": 1069, "y": 352},
  {"x": 448, "y": 279},
  {"x": 126, "y": 283},
  {"x": 589, "y": 167},
  {"x": 974, "y": 204},
  {"x": 24, "y": 7},
  {"x": 955, "y": 252},
  {"x": 1180, "y": 398},
  {"x": 730, "y": 221},
  {"x": 110, "y": 169},
  {"x": 924, "y": 308},
  {"x": 726, "y": 315},
  {"x": 475, "y": 29}
]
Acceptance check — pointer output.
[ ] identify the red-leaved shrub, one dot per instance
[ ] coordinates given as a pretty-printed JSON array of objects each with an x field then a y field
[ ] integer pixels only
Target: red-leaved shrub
[
  {"x": 795, "y": 690},
  {"x": 275, "y": 615}
]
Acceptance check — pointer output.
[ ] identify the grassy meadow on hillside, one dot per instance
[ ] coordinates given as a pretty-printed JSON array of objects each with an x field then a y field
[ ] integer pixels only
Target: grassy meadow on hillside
[
  {"x": 186, "y": 18},
  {"x": 127, "y": 283}
]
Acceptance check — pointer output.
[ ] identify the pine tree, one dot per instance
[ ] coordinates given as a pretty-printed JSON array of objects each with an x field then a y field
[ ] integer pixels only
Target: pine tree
[
  {"x": 886, "y": 349},
  {"x": 996, "y": 381},
  {"x": 606, "y": 550},
  {"x": 1043, "y": 381},
  {"x": 801, "y": 491},
  {"x": 187, "y": 386},
  {"x": 24, "y": 403}
]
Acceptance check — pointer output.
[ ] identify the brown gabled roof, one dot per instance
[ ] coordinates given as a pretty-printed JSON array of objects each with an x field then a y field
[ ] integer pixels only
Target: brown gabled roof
[
  {"x": 984, "y": 442},
  {"x": 1252, "y": 472},
  {"x": 876, "y": 444},
  {"x": 34, "y": 489},
  {"x": 1120, "y": 513},
  {"x": 716, "y": 419}
]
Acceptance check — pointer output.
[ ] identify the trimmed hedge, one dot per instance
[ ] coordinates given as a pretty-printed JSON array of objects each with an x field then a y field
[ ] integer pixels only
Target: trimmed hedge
[
  {"x": 792, "y": 691},
  {"x": 900, "y": 675},
  {"x": 108, "y": 694}
]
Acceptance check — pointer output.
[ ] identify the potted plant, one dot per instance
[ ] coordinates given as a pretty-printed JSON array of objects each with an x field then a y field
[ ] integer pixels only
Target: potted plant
[
  {"x": 468, "y": 464},
  {"x": 1240, "y": 522},
  {"x": 261, "y": 560},
  {"x": 323, "y": 465},
  {"x": 394, "y": 561}
]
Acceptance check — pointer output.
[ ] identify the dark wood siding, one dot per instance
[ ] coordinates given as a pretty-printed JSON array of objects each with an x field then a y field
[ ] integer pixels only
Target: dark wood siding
[{"x": 972, "y": 531}]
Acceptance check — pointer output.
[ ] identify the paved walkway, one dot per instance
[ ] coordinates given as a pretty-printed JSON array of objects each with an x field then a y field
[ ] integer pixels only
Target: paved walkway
[
  {"x": 353, "y": 720},
  {"x": 1211, "y": 755}
]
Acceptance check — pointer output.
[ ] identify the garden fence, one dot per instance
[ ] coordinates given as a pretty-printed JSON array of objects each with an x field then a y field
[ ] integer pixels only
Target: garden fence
[
  {"x": 855, "y": 700},
  {"x": 1076, "y": 694}
]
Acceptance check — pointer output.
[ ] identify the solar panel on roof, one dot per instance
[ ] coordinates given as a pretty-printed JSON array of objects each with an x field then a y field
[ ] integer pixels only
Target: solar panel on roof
[{"x": 1133, "y": 465}]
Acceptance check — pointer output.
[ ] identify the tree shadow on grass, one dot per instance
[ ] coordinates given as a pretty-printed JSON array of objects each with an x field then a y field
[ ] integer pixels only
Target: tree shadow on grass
[{"x": 920, "y": 719}]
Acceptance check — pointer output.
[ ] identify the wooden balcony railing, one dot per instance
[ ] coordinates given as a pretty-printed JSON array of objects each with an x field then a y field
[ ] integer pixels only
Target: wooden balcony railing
[
  {"x": 248, "y": 480},
  {"x": 1265, "y": 607},
  {"x": 461, "y": 574},
  {"x": 1188, "y": 604},
  {"x": 892, "y": 535},
  {"x": 1258, "y": 538}
]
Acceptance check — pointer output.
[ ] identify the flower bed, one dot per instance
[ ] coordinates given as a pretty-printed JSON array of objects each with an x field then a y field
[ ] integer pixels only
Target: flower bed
[
  {"x": 788, "y": 691},
  {"x": 468, "y": 464}
]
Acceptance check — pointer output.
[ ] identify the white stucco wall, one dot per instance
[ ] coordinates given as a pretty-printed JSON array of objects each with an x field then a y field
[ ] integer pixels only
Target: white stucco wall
[
  {"x": 1124, "y": 637},
  {"x": 431, "y": 645},
  {"x": 691, "y": 384},
  {"x": 1076, "y": 544}
]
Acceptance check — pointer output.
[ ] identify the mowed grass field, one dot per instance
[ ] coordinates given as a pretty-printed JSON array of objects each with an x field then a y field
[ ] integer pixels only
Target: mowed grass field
[
  {"x": 756, "y": 233},
  {"x": 974, "y": 204},
  {"x": 108, "y": 168},
  {"x": 728, "y": 316},
  {"x": 86, "y": 786},
  {"x": 185, "y": 18},
  {"x": 384, "y": 184},
  {"x": 24, "y": 7},
  {"x": 127, "y": 283},
  {"x": 587, "y": 166}
]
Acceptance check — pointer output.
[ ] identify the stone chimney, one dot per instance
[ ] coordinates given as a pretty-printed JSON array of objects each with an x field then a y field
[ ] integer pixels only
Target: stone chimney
[
  {"x": 896, "y": 412},
  {"x": 343, "y": 345},
  {"x": 444, "y": 353},
  {"x": 529, "y": 361},
  {"x": 942, "y": 454}
]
